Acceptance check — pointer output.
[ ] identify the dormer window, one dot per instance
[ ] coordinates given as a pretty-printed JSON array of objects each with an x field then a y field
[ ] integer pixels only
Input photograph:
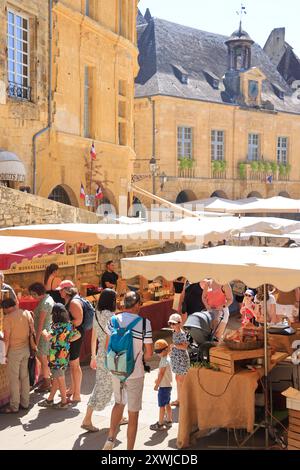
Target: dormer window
[
  {"x": 212, "y": 79},
  {"x": 180, "y": 74},
  {"x": 279, "y": 92}
]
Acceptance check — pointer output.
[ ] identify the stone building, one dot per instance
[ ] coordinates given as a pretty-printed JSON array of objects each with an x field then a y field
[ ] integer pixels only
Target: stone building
[
  {"x": 84, "y": 52},
  {"x": 216, "y": 114}
]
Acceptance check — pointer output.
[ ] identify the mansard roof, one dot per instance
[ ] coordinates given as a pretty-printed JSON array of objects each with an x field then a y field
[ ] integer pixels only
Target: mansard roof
[{"x": 200, "y": 54}]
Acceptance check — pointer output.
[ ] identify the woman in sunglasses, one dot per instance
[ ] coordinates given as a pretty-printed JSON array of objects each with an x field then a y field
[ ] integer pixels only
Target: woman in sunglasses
[
  {"x": 248, "y": 308},
  {"x": 180, "y": 360}
]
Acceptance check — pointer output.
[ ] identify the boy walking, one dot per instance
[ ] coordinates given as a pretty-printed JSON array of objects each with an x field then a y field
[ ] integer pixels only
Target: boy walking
[{"x": 163, "y": 384}]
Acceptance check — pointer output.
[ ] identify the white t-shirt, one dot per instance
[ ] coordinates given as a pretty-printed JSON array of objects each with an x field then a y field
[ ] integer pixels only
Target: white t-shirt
[
  {"x": 125, "y": 319},
  {"x": 167, "y": 378}
]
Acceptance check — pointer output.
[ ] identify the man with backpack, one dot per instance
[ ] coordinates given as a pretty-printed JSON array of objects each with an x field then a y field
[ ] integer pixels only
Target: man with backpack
[{"x": 129, "y": 346}]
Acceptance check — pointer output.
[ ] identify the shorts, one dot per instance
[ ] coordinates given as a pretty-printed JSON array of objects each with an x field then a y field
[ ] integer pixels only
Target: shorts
[
  {"x": 75, "y": 347},
  {"x": 164, "y": 396},
  {"x": 57, "y": 373},
  {"x": 130, "y": 393}
]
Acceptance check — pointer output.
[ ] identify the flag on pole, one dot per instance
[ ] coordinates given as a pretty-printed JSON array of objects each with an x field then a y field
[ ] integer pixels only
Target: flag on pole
[
  {"x": 99, "y": 193},
  {"x": 93, "y": 152},
  {"x": 82, "y": 192},
  {"x": 269, "y": 179}
]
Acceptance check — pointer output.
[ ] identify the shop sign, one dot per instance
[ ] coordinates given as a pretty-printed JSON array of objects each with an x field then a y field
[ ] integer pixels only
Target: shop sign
[
  {"x": 12, "y": 177},
  {"x": 84, "y": 255}
]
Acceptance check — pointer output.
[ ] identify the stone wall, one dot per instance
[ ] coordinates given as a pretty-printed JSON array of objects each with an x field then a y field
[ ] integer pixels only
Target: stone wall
[{"x": 18, "y": 208}]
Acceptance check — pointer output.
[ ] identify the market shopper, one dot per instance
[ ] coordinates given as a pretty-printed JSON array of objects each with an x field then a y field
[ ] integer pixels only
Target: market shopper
[
  {"x": 102, "y": 391},
  {"x": 180, "y": 361},
  {"x": 61, "y": 335},
  {"x": 17, "y": 325},
  {"x": 109, "y": 277},
  {"x": 52, "y": 281},
  {"x": 131, "y": 391},
  {"x": 42, "y": 321},
  {"x": 218, "y": 298},
  {"x": 259, "y": 306},
  {"x": 69, "y": 294},
  {"x": 287, "y": 305},
  {"x": 163, "y": 384}
]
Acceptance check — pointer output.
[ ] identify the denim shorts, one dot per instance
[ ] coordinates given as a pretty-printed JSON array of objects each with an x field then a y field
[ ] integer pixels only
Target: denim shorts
[{"x": 164, "y": 396}]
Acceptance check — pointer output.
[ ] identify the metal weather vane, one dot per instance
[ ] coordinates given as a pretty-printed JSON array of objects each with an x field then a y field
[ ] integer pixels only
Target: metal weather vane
[{"x": 240, "y": 13}]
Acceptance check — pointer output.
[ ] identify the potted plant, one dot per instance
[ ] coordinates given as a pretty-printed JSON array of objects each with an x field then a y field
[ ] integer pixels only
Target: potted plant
[
  {"x": 216, "y": 166},
  {"x": 274, "y": 167},
  {"x": 261, "y": 166},
  {"x": 282, "y": 169},
  {"x": 254, "y": 166},
  {"x": 223, "y": 165},
  {"x": 242, "y": 170},
  {"x": 267, "y": 167}
]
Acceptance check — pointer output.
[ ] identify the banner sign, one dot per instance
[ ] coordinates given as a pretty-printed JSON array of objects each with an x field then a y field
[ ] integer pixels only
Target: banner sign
[{"x": 84, "y": 255}]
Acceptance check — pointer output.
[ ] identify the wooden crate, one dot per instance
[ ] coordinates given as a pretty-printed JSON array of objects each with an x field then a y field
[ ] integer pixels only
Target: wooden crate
[
  {"x": 227, "y": 360},
  {"x": 294, "y": 443}
]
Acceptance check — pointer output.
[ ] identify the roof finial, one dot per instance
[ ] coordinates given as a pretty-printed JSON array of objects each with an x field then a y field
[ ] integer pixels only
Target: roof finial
[{"x": 241, "y": 13}]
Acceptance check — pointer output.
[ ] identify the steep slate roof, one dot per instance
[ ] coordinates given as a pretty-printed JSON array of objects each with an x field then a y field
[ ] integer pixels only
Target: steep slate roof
[{"x": 163, "y": 44}]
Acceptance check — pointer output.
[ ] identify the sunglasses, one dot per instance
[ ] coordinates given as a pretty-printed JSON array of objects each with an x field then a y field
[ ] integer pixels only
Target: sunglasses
[
  {"x": 173, "y": 323},
  {"x": 158, "y": 351},
  {"x": 248, "y": 295}
]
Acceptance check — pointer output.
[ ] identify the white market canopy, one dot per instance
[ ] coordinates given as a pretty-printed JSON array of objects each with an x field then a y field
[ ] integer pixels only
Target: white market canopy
[
  {"x": 254, "y": 266},
  {"x": 276, "y": 204},
  {"x": 188, "y": 230}
]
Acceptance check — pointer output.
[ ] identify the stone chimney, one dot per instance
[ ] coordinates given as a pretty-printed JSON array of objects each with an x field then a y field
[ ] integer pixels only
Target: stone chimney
[{"x": 275, "y": 45}]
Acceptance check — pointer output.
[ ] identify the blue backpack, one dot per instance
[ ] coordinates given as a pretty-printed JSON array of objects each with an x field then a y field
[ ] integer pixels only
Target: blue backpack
[
  {"x": 120, "y": 356},
  {"x": 88, "y": 313}
]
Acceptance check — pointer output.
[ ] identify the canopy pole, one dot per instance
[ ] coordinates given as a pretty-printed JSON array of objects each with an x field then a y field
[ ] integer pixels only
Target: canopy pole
[
  {"x": 75, "y": 263},
  {"x": 266, "y": 371}
]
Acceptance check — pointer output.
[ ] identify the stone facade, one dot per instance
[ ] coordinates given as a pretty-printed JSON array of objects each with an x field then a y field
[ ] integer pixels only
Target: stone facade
[
  {"x": 21, "y": 119},
  {"x": 94, "y": 62},
  {"x": 201, "y": 181}
]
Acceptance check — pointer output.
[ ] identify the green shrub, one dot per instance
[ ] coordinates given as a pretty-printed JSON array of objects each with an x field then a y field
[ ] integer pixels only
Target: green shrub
[
  {"x": 274, "y": 167},
  {"x": 242, "y": 170},
  {"x": 254, "y": 166}
]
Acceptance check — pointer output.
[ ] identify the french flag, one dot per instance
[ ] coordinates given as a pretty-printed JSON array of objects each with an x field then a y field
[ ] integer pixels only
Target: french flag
[
  {"x": 82, "y": 193},
  {"x": 93, "y": 152},
  {"x": 99, "y": 193}
]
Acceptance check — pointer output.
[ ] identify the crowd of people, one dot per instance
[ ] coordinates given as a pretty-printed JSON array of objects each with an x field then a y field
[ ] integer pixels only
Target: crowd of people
[{"x": 58, "y": 323}]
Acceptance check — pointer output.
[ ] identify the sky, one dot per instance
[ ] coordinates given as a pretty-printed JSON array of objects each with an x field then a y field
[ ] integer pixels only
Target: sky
[{"x": 219, "y": 16}]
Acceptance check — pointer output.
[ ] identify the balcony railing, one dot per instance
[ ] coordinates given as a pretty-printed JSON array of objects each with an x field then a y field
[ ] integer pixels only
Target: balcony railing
[
  {"x": 263, "y": 171},
  {"x": 18, "y": 91}
]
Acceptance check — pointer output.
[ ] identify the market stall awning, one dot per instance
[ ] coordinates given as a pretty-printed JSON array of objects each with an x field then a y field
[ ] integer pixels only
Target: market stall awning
[
  {"x": 252, "y": 265},
  {"x": 188, "y": 230},
  {"x": 17, "y": 249},
  {"x": 11, "y": 167},
  {"x": 276, "y": 204}
]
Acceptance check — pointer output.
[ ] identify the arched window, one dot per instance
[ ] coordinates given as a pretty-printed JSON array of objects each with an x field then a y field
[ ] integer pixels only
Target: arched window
[
  {"x": 59, "y": 194},
  {"x": 219, "y": 194}
]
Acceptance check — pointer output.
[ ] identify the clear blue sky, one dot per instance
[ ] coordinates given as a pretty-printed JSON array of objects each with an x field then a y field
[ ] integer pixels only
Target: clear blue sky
[{"x": 219, "y": 16}]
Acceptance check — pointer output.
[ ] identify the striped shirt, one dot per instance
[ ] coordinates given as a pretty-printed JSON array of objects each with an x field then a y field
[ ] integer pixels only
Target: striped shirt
[{"x": 125, "y": 319}]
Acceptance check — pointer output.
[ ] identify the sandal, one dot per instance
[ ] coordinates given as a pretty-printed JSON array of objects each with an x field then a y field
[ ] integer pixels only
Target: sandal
[
  {"x": 168, "y": 424},
  {"x": 8, "y": 410},
  {"x": 61, "y": 406},
  {"x": 157, "y": 427},
  {"x": 47, "y": 403},
  {"x": 89, "y": 428}
]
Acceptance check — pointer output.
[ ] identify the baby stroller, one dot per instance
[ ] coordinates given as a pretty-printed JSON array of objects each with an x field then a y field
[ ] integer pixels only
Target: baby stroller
[{"x": 201, "y": 334}]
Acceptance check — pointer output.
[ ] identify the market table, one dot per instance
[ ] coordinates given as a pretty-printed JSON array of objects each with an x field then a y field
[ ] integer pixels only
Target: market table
[
  {"x": 215, "y": 399},
  {"x": 157, "y": 312},
  {"x": 283, "y": 342}
]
